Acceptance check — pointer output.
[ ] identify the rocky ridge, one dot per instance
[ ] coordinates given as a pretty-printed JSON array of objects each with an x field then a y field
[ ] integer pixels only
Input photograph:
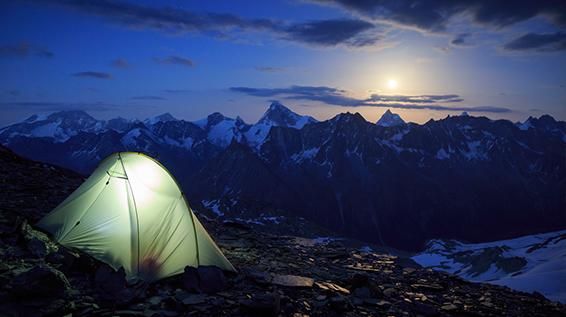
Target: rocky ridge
[{"x": 278, "y": 275}]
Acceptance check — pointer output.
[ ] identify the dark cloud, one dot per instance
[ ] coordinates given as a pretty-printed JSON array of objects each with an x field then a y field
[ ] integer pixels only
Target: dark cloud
[
  {"x": 166, "y": 19},
  {"x": 176, "y": 91},
  {"x": 437, "y": 107},
  {"x": 267, "y": 69},
  {"x": 416, "y": 99},
  {"x": 462, "y": 39},
  {"x": 120, "y": 63},
  {"x": 349, "y": 32},
  {"x": 353, "y": 33},
  {"x": 339, "y": 97},
  {"x": 91, "y": 74},
  {"x": 23, "y": 50},
  {"x": 175, "y": 60},
  {"x": 434, "y": 15},
  {"x": 148, "y": 98},
  {"x": 548, "y": 42},
  {"x": 328, "y": 95}
]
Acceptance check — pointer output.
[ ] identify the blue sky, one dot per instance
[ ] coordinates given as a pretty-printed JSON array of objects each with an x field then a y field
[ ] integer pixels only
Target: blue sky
[{"x": 423, "y": 59}]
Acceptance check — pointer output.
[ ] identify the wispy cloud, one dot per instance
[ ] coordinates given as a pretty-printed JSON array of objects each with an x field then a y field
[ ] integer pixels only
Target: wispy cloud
[
  {"x": 120, "y": 63},
  {"x": 415, "y": 99},
  {"x": 545, "y": 42},
  {"x": 339, "y": 97},
  {"x": 176, "y": 91},
  {"x": 462, "y": 39},
  {"x": 91, "y": 74},
  {"x": 23, "y": 50},
  {"x": 268, "y": 69},
  {"x": 148, "y": 98},
  {"x": 177, "y": 60}
]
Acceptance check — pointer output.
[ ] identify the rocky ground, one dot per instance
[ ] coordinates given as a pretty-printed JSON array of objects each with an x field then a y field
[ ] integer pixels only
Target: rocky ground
[{"x": 278, "y": 275}]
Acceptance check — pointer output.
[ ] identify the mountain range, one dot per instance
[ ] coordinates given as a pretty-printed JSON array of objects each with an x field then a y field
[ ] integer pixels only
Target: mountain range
[{"x": 391, "y": 182}]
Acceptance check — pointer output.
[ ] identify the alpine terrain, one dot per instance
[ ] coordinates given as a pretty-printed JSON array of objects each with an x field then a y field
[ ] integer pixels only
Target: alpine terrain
[{"x": 392, "y": 183}]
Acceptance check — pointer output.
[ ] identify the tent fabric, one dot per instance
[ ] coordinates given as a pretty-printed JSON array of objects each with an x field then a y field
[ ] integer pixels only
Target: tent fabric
[{"x": 131, "y": 213}]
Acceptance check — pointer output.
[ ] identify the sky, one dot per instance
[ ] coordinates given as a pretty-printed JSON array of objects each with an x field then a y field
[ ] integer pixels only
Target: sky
[{"x": 421, "y": 59}]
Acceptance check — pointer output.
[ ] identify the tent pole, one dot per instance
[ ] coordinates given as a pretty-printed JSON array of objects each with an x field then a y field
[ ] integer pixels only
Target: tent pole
[{"x": 136, "y": 211}]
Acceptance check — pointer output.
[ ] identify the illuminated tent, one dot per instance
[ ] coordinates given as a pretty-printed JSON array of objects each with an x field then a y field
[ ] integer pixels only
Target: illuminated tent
[{"x": 131, "y": 213}]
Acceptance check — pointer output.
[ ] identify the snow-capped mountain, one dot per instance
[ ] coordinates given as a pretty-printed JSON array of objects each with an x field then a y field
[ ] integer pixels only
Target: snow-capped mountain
[
  {"x": 530, "y": 263},
  {"x": 59, "y": 126},
  {"x": 390, "y": 119},
  {"x": 222, "y": 130},
  {"x": 164, "y": 117},
  {"x": 280, "y": 116},
  {"x": 79, "y": 141},
  {"x": 398, "y": 185}
]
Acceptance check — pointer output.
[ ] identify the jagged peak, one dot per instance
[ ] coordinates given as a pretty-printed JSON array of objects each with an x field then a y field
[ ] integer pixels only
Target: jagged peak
[
  {"x": 348, "y": 117},
  {"x": 164, "y": 117},
  {"x": 390, "y": 119},
  {"x": 71, "y": 114},
  {"x": 279, "y": 115},
  {"x": 276, "y": 105}
]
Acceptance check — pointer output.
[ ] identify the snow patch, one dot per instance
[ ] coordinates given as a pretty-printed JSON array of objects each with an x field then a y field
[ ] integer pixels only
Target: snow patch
[
  {"x": 214, "y": 206},
  {"x": 538, "y": 262},
  {"x": 442, "y": 154}
]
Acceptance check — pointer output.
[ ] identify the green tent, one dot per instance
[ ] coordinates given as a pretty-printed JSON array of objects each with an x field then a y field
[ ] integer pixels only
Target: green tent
[{"x": 131, "y": 213}]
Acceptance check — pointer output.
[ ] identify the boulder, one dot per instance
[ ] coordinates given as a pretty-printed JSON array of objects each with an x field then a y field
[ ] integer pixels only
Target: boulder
[
  {"x": 207, "y": 279},
  {"x": 37, "y": 243},
  {"x": 39, "y": 281},
  {"x": 110, "y": 281}
]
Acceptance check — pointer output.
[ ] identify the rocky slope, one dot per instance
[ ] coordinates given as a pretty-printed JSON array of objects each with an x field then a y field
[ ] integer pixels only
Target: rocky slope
[{"x": 278, "y": 274}]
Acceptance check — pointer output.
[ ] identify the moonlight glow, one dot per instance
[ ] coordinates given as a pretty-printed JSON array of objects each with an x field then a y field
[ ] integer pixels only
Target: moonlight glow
[{"x": 391, "y": 84}]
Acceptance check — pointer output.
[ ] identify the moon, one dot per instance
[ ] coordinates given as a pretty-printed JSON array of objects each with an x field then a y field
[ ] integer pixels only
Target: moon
[{"x": 392, "y": 84}]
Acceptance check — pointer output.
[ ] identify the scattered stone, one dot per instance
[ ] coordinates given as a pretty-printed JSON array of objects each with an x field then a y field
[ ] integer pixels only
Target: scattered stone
[
  {"x": 389, "y": 292},
  {"x": 262, "y": 305},
  {"x": 193, "y": 299},
  {"x": 425, "y": 309},
  {"x": 292, "y": 280},
  {"x": 332, "y": 287},
  {"x": 259, "y": 277},
  {"x": 340, "y": 303},
  {"x": 449, "y": 307},
  {"x": 430, "y": 287},
  {"x": 321, "y": 297}
]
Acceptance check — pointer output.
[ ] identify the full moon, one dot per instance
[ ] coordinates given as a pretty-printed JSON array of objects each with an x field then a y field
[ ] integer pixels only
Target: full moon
[{"x": 392, "y": 83}]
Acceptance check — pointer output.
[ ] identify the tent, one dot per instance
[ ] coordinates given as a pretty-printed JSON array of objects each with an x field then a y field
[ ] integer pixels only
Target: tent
[{"x": 131, "y": 213}]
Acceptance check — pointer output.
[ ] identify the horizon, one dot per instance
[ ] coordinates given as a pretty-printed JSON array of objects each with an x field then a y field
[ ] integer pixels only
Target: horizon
[
  {"x": 320, "y": 58},
  {"x": 44, "y": 115}
]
